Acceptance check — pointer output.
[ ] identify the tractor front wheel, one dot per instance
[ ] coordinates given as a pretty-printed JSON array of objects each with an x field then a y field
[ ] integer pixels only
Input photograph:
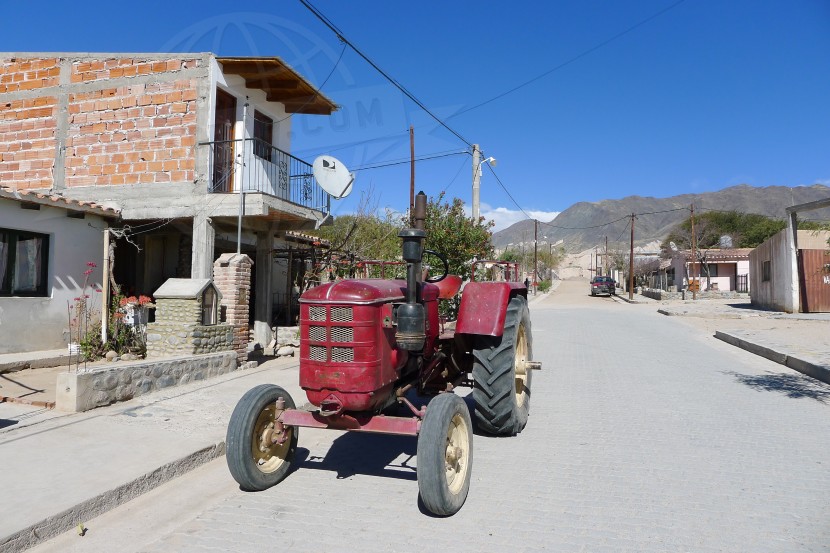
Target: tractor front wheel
[
  {"x": 445, "y": 455},
  {"x": 501, "y": 375},
  {"x": 259, "y": 449}
]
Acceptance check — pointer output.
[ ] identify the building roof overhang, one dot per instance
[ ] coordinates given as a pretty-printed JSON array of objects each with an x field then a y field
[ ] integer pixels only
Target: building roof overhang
[
  {"x": 280, "y": 82},
  {"x": 56, "y": 200}
]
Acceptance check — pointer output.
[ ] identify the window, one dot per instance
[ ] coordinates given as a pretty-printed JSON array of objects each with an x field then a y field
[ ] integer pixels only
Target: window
[
  {"x": 766, "y": 271},
  {"x": 709, "y": 269},
  {"x": 23, "y": 263},
  {"x": 263, "y": 134}
]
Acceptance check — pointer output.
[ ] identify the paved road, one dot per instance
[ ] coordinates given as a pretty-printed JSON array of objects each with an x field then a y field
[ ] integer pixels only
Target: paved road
[{"x": 645, "y": 435}]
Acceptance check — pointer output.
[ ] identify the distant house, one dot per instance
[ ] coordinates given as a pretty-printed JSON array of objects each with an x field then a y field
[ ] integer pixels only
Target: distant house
[
  {"x": 171, "y": 141},
  {"x": 721, "y": 270},
  {"x": 47, "y": 243},
  {"x": 782, "y": 283}
]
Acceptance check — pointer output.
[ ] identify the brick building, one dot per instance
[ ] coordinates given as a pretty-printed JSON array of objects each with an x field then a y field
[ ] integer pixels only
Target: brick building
[{"x": 170, "y": 141}]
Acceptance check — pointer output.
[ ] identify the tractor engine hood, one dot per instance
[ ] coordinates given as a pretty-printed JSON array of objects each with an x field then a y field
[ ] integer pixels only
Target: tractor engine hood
[{"x": 365, "y": 291}]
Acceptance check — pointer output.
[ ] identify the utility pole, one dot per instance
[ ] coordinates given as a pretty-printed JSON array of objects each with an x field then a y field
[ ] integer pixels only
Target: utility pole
[
  {"x": 411, "y": 174},
  {"x": 476, "y": 181},
  {"x": 631, "y": 263},
  {"x": 535, "y": 251},
  {"x": 694, "y": 254},
  {"x": 606, "y": 257},
  {"x": 596, "y": 261}
]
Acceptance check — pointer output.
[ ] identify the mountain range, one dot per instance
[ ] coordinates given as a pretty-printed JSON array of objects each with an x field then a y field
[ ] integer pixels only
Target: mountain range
[{"x": 587, "y": 224}]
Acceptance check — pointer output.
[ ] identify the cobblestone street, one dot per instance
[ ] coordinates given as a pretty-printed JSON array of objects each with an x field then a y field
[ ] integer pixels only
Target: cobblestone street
[{"x": 645, "y": 435}]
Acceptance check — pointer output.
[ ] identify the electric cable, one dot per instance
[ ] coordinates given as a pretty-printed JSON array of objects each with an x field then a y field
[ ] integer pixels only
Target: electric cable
[
  {"x": 328, "y": 23},
  {"x": 570, "y": 61}
]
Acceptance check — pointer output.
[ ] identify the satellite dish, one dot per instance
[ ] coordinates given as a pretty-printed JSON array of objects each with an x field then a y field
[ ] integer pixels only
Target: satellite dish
[
  {"x": 673, "y": 246},
  {"x": 333, "y": 176}
]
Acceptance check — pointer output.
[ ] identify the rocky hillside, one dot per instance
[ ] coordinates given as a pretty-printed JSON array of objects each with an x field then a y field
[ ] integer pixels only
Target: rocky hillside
[{"x": 658, "y": 215}]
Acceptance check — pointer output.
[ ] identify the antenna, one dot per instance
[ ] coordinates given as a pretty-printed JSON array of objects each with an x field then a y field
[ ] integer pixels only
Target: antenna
[
  {"x": 673, "y": 246},
  {"x": 333, "y": 176}
]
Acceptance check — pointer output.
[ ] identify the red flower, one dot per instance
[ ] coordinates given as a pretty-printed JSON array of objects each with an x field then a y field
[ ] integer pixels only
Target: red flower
[
  {"x": 91, "y": 264},
  {"x": 88, "y": 272}
]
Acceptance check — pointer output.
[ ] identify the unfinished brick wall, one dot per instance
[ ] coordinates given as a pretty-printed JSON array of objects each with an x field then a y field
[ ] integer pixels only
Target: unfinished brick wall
[
  {"x": 232, "y": 276},
  {"x": 141, "y": 133},
  {"x": 120, "y": 121},
  {"x": 18, "y": 74},
  {"x": 27, "y": 125}
]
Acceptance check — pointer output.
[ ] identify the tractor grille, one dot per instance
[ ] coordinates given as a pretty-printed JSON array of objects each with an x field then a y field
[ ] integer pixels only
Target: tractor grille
[
  {"x": 342, "y": 355},
  {"x": 317, "y": 313},
  {"x": 317, "y": 333},
  {"x": 317, "y": 353},
  {"x": 334, "y": 333},
  {"x": 341, "y": 314},
  {"x": 342, "y": 334}
]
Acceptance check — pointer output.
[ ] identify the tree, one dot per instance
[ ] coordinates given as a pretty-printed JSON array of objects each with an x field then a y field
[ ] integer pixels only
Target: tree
[
  {"x": 368, "y": 236},
  {"x": 451, "y": 233}
]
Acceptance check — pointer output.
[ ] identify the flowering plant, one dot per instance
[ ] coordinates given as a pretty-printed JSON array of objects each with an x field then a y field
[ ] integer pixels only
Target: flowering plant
[
  {"x": 83, "y": 311},
  {"x": 132, "y": 302}
]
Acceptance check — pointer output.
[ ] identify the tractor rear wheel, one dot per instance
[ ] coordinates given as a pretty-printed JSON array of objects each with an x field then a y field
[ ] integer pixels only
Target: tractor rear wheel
[
  {"x": 502, "y": 378},
  {"x": 445, "y": 455},
  {"x": 259, "y": 449}
]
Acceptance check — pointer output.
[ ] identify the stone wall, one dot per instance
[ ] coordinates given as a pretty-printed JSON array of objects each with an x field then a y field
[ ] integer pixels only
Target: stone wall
[
  {"x": 657, "y": 294},
  {"x": 181, "y": 310},
  {"x": 172, "y": 338},
  {"x": 82, "y": 391}
]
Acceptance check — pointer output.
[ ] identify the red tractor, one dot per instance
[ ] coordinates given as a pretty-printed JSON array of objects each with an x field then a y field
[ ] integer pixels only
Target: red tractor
[{"x": 364, "y": 344}]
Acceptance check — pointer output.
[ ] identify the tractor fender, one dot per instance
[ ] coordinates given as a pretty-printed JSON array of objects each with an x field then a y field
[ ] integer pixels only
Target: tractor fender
[{"x": 484, "y": 307}]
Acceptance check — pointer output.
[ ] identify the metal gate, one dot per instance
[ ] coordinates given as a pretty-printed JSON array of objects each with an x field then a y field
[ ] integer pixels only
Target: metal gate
[
  {"x": 742, "y": 284},
  {"x": 814, "y": 280}
]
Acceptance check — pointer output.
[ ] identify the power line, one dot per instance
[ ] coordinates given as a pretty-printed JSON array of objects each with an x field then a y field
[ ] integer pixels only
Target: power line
[
  {"x": 458, "y": 172},
  {"x": 424, "y": 157},
  {"x": 328, "y": 23},
  {"x": 506, "y": 191},
  {"x": 570, "y": 61}
]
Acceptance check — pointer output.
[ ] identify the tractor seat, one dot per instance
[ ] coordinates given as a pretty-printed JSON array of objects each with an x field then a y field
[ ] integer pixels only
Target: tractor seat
[{"x": 448, "y": 287}]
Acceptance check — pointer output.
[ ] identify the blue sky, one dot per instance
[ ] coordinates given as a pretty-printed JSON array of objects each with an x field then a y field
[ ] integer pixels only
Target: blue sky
[{"x": 706, "y": 95}]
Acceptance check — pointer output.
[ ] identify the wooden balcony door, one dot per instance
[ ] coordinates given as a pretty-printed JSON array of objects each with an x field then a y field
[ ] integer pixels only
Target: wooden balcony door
[{"x": 223, "y": 145}]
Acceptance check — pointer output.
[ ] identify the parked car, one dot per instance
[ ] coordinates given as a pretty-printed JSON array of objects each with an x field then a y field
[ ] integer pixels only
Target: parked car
[{"x": 603, "y": 285}]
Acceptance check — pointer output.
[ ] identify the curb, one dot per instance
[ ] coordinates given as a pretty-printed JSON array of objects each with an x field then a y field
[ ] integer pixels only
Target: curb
[
  {"x": 41, "y": 363},
  {"x": 814, "y": 370},
  {"x": 54, "y": 525}
]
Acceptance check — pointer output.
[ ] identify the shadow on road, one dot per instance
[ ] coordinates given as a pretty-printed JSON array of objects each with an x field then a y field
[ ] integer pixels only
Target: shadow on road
[
  {"x": 354, "y": 453},
  {"x": 794, "y": 386},
  {"x": 7, "y": 422}
]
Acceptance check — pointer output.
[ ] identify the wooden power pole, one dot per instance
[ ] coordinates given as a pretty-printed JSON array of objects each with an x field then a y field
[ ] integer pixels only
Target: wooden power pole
[
  {"x": 535, "y": 251},
  {"x": 411, "y": 175},
  {"x": 631, "y": 263},
  {"x": 694, "y": 256}
]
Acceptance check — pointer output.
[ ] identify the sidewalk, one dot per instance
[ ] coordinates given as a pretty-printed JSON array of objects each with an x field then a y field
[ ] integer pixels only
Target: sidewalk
[
  {"x": 63, "y": 469},
  {"x": 796, "y": 340}
]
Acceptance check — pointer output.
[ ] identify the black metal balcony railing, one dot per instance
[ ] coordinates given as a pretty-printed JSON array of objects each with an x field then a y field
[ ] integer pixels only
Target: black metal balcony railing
[{"x": 253, "y": 165}]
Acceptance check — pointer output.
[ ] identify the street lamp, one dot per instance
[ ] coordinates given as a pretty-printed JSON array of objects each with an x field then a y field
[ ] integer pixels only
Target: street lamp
[{"x": 477, "y": 179}]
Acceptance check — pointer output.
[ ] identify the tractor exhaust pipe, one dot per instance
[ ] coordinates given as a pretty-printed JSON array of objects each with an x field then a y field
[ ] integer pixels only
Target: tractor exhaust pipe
[{"x": 411, "y": 317}]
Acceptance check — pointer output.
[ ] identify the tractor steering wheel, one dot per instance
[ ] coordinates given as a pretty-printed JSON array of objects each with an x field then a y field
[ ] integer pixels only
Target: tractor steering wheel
[{"x": 443, "y": 260}]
